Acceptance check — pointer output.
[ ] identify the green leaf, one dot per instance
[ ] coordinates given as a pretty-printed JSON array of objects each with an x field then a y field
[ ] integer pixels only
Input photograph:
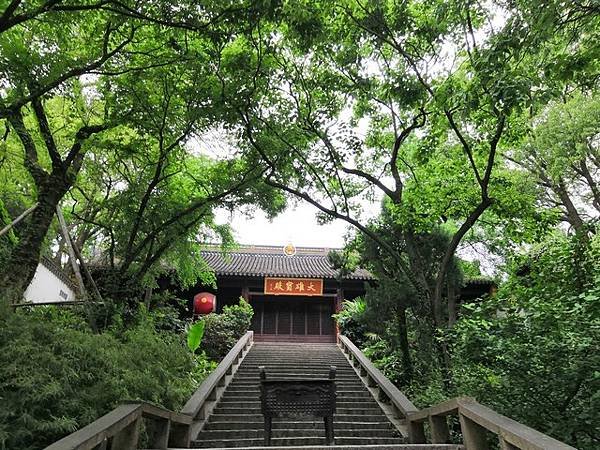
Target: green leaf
[{"x": 195, "y": 334}]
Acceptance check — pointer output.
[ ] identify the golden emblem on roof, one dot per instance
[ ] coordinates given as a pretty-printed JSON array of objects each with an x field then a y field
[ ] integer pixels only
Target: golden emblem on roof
[{"x": 289, "y": 250}]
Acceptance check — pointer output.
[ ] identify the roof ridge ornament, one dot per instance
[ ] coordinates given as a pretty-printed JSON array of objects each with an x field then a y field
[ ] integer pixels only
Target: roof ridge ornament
[{"x": 289, "y": 249}]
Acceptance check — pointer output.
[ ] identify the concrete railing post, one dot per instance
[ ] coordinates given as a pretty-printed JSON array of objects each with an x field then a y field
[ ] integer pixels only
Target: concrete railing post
[
  {"x": 474, "y": 435},
  {"x": 102, "y": 445},
  {"x": 370, "y": 381},
  {"x": 416, "y": 433},
  {"x": 504, "y": 445},
  {"x": 440, "y": 434},
  {"x": 127, "y": 438},
  {"x": 158, "y": 432},
  {"x": 180, "y": 435}
]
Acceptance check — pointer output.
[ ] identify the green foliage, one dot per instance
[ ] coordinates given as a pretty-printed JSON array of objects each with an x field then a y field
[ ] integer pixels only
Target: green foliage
[
  {"x": 124, "y": 101},
  {"x": 195, "y": 334},
  {"x": 561, "y": 155},
  {"x": 533, "y": 351},
  {"x": 56, "y": 376},
  {"x": 169, "y": 312},
  {"x": 351, "y": 320},
  {"x": 385, "y": 359},
  {"x": 223, "y": 330}
]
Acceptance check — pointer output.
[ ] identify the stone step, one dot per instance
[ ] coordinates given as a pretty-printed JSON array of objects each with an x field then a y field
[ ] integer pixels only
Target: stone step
[
  {"x": 258, "y": 433},
  {"x": 255, "y": 377},
  {"x": 276, "y": 369},
  {"x": 324, "y": 368},
  {"x": 322, "y": 371},
  {"x": 240, "y": 395},
  {"x": 319, "y": 371},
  {"x": 295, "y": 441},
  {"x": 296, "y": 346},
  {"x": 349, "y": 386},
  {"x": 323, "y": 364},
  {"x": 255, "y": 382},
  {"x": 362, "y": 410},
  {"x": 333, "y": 354},
  {"x": 237, "y": 385},
  {"x": 255, "y": 404},
  {"x": 355, "y": 447},
  {"x": 337, "y": 417},
  {"x": 245, "y": 399},
  {"x": 333, "y": 351},
  {"x": 279, "y": 424}
]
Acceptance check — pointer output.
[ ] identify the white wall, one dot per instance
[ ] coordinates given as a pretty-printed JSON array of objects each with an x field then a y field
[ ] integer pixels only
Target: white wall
[{"x": 48, "y": 288}]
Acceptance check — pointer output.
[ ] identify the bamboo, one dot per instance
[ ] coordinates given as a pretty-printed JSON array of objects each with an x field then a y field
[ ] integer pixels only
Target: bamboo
[
  {"x": 8, "y": 227},
  {"x": 71, "y": 251},
  {"x": 86, "y": 271}
]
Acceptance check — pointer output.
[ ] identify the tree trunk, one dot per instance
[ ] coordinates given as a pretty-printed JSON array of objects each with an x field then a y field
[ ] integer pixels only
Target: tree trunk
[
  {"x": 404, "y": 347},
  {"x": 585, "y": 171},
  {"x": 51, "y": 187},
  {"x": 424, "y": 305},
  {"x": 573, "y": 216},
  {"x": 451, "y": 305},
  {"x": 450, "y": 252},
  {"x": 20, "y": 268}
]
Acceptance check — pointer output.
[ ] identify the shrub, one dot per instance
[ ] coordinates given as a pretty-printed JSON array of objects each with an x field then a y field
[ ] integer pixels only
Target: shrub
[
  {"x": 223, "y": 330},
  {"x": 57, "y": 376},
  {"x": 351, "y": 321},
  {"x": 533, "y": 351}
]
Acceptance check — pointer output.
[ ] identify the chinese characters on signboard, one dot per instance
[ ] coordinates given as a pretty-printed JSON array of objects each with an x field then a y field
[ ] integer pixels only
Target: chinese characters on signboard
[{"x": 294, "y": 286}]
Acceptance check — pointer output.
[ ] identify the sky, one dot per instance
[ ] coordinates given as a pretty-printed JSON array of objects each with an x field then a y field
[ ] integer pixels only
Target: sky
[{"x": 297, "y": 225}]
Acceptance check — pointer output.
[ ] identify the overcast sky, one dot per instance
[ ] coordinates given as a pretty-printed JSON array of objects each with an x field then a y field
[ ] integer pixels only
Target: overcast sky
[{"x": 297, "y": 225}]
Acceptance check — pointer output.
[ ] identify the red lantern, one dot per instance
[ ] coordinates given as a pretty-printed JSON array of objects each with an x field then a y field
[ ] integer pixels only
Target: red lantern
[{"x": 204, "y": 303}]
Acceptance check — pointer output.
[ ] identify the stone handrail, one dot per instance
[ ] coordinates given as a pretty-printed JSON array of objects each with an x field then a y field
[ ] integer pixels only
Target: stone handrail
[
  {"x": 165, "y": 428},
  {"x": 403, "y": 407},
  {"x": 476, "y": 421},
  {"x": 197, "y": 406}
]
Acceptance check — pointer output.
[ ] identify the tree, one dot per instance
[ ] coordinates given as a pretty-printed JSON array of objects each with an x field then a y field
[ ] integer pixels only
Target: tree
[
  {"x": 51, "y": 185},
  {"x": 563, "y": 154},
  {"x": 383, "y": 65},
  {"x": 88, "y": 53},
  {"x": 392, "y": 310}
]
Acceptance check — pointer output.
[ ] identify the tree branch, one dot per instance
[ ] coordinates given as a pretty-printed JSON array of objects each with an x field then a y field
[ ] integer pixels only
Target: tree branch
[
  {"x": 72, "y": 73},
  {"x": 44, "y": 127},
  {"x": 31, "y": 154}
]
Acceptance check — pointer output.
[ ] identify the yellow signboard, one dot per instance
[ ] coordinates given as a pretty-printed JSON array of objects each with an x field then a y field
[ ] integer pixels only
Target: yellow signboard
[{"x": 294, "y": 286}]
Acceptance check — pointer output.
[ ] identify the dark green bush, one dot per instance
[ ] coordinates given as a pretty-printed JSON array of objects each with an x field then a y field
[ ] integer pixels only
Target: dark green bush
[
  {"x": 56, "y": 376},
  {"x": 533, "y": 351},
  {"x": 224, "y": 330},
  {"x": 351, "y": 321}
]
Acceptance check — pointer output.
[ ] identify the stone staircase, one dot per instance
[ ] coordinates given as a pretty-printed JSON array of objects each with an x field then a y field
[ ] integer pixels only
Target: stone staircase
[
  {"x": 224, "y": 412},
  {"x": 237, "y": 421}
]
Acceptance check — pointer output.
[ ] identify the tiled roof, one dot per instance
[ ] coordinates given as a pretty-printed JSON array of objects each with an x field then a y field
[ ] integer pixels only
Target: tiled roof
[
  {"x": 269, "y": 261},
  {"x": 58, "y": 272},
  {"x": 480, "y": 281}
]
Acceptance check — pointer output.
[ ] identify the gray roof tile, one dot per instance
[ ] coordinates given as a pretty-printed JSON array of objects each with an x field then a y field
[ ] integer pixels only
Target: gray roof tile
[{"x": 267, "y": 261}]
